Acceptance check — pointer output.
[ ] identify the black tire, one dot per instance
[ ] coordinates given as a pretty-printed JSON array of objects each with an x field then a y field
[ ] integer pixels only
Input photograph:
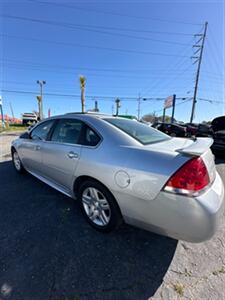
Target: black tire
[
  {"x": 115, "y": 217},
  {"x": 18, "y": 166}
]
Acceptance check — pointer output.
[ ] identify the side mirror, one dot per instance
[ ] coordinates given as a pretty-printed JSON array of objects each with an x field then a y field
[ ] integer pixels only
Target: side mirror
[{"x": 25, "y": 135}]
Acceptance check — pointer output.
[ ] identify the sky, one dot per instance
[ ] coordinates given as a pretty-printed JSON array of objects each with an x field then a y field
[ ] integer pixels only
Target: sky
[{"x": 125, "y": 49}]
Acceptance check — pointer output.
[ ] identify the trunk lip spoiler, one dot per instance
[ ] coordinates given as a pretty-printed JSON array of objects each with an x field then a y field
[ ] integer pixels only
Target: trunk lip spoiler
[{"x": 200, "y": 146}]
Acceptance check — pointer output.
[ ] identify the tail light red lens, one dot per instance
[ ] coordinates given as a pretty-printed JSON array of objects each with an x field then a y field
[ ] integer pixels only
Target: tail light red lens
[{"x": 192, "y": 177}]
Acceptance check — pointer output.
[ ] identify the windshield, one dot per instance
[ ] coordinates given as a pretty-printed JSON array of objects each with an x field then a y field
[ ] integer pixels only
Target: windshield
[{"x": 141, "y": 132}]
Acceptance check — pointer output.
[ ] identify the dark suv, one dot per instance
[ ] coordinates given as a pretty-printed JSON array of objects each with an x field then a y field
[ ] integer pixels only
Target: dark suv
[{"x": 218, "y": 127}]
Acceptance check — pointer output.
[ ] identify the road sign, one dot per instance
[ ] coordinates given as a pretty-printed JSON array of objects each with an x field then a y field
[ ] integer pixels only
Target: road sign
[{"x": 168, "y": 102}]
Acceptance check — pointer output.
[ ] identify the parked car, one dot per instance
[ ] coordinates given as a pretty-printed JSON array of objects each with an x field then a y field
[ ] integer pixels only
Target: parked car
[
  {"x": 218, "y": 127},
  {"x": 191, "y": 128},
  {"x": 204, "y": 130},
  {"x": 171, "y": 128},
  {"x": 121, "y": 170},
  {"x": 29, "y": 118}
]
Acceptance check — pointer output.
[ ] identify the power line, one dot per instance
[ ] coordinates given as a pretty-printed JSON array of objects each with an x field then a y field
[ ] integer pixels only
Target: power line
[
  {"x": 212, "y": 101},
  {"x": 170, "y": 79},
  {"x": 71, "y": 86},
  {"x": 102, "y": 97},
  {"x": 66, "y": 95},
  {"x": 213, "y": 75},
  {"x": 30, "y": 63},
  {"x": 83, "y": 28},
  {"x": 117, "y": 14},
  {"x": 47, "y": 66},
  {"x": 181, "y": 103},
  {"x": 180, "y": 61},
  {"x": 124, "y": 29},
  {"x": 95, "y": 47},
  {"x": 46, "y": 69}
]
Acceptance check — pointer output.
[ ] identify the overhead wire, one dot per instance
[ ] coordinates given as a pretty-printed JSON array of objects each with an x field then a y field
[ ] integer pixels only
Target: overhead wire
[
  {"x": 124, "y": 98},
  {"x": 131, "y": 51},
  {"x": 89, "y": 29},
  {"x": 116, "y": 14}
]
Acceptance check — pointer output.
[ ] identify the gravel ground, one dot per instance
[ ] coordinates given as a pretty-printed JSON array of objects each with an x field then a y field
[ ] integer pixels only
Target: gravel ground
[
  {"x": 5, "y": 142},
  {"x": 49, "y": 252}
]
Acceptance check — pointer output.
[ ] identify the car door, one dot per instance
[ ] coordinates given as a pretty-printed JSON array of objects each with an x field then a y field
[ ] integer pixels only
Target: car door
[
  {"x": 31, "y": 148},
  {"x": 61, "y": 152}
]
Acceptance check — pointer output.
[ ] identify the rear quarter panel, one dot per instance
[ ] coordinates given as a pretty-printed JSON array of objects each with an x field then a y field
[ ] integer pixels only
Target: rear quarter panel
[{"x": 129, "y": 171}]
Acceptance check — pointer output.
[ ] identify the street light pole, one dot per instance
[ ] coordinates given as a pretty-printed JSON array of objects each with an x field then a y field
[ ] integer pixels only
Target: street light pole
[
  {"x": 118, "y": 105},
  {"x": 41, "y": 83}
]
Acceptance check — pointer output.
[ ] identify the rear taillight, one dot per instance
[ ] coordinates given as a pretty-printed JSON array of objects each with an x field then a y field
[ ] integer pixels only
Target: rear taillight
[{"x": 190, "y": 179}]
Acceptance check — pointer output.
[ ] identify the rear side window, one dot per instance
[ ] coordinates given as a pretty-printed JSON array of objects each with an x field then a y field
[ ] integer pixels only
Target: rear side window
[
  {"x": 141, "y": 132},
  {"x": 41, "y": 131},
  {"x": 67, "y": 131},
  {"x": 90, "y": 137}
]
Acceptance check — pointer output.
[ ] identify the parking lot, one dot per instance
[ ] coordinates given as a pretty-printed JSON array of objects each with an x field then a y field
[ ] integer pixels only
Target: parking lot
[{"x": 48, "y": 251}]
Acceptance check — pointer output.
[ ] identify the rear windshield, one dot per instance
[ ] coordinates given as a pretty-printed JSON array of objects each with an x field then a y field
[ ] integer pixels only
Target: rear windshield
[{"x": 141, "y": 132}]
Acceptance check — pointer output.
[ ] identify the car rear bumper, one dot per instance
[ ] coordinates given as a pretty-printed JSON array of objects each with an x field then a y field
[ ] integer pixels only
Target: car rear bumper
[{"x": 181, "y": 217}]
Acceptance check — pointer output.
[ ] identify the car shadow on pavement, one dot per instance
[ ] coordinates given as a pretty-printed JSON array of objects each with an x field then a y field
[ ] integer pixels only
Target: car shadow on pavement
[{"x": 48, "y": 251}]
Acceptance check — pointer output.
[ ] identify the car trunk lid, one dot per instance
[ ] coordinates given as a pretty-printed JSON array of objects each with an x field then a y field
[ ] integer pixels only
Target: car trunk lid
[{"x": 192, "y": 148}]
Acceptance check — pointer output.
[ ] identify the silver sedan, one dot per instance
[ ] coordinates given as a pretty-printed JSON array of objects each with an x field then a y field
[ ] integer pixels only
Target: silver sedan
[{"x": 122, "y": 170}]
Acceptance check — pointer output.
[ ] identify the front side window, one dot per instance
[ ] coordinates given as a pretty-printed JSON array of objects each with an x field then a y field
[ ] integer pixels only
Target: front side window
[
  {"x": 141, "y": 132},
  {"x": 67, "y": 131},
  {"x": 41, "y": 131}
]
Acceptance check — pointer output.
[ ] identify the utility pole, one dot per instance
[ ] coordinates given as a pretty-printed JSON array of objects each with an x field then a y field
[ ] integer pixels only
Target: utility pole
[
  {"x": 112, "y": 110},
  {"x": 10, "y": 104},
  {"x": 199, "y": 60},
  {"x": 41, "y": 83},
  {"x": 96, "y": 109},
  {"x": 174, "y": 103},
  {"x": 118, "y": 105},
  {"x": 1, "y": 110},
  {"x": 139, "y": 106},
  {"x": 164, "y": 113}
]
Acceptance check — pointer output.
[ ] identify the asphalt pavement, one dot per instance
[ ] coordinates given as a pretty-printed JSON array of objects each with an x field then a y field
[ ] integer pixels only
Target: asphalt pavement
[{"x": 48, "y": 251}]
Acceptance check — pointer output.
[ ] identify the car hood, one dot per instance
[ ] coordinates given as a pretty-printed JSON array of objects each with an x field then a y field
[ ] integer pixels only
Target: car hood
[{"x": 218, "y": 124}]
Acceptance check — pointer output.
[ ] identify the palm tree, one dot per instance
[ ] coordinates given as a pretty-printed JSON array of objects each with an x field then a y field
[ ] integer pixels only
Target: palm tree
[{"x": 82, "y": 88}]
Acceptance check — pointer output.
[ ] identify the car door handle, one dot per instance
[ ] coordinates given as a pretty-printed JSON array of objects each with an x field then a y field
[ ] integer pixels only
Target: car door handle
[
  {"x": 72, "y": 154},
  {"x": 37, "y": 147}
]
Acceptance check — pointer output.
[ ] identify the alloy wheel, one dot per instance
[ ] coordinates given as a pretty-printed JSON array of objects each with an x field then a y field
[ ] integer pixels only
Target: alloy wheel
[
  {"x": 96, "y": 206},
  {"x": 16, "y": 161}
]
